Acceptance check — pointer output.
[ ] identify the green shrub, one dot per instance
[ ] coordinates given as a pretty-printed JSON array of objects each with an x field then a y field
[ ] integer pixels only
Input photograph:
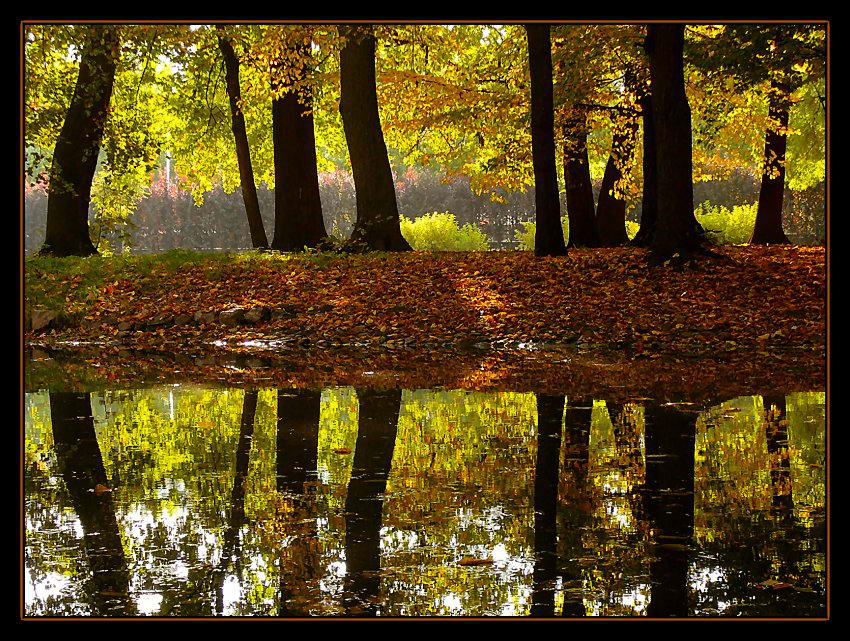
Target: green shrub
[
  {"x": 727, "y": 226},
  {"x": 440, "y": 232}
]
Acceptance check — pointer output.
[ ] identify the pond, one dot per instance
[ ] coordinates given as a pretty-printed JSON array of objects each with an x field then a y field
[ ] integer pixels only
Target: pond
[{"x": 192, "y": 501}]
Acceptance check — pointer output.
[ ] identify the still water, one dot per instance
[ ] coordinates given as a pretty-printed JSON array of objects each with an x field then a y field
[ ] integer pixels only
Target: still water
[{"x": 186, "y": 501}]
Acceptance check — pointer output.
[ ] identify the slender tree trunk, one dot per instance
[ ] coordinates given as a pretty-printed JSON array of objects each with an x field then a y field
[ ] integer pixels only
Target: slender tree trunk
[
  {"x": 81, "y": 467},
  {"x": 583, "y": 232},
  {"x": 378, "y": 227},
  {"x": 549, "y": 235},
  {"x": 78, "y": 145},
  {"x": 550, "y": 412},
  {"x": 611, "y": 211},
  {"x": 669, "y": 440},
  {"x": 240, "y": 136},
  {"x": 377, "y": 426},
  {"x": 298, "y": 221},
  {"x": 768, "y": 227},
  {"x": 649, "y": 200},
  {"x": 677, "y": 230}
]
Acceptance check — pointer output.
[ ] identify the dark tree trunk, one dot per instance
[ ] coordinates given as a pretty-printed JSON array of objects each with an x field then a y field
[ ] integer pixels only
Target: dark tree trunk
[
  {"x": 549, "y": 235},
  {"x": 768, "y": 227},
  {"x": 583, "y": 232},
  {"x": 377, "y": 227},
  {"x": 649, "y": 199},
  {"x": 676, "y": 229},
  {"x": 230, "y": 547},
  {"x": 298, "y": 415},
  {"x": 240, "y": 136},
  {"x": 550, "y": 411},
  {"x": 297, "y": 438},
  {"x": 298, "y": 221},
  {"x": 377, "y": 425},
  {"x": 669, "y": 439},
  {"x": 81, "y": 466},
  {"x": 611, "y": 211},
  {"x": 577, "y": 417},
  {"x": 77, "y": 148}
]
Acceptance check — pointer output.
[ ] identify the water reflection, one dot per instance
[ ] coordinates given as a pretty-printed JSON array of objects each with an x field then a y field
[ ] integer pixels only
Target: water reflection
[{"x": 184, "y": 501}]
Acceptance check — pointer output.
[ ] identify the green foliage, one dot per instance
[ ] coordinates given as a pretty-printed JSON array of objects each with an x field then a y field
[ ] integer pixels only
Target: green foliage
[
  {"x": 526, "y": 235},
  {"x": 727, "y": 226},
  {"x": 440, "y": 232}
]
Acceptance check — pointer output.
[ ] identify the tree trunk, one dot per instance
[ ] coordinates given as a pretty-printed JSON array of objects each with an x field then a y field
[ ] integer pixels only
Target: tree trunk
[
  {"x": 377, "y": 426},
  {"x": 298, "y": 221},
  {"x": 240, "y": 136},
  {"x": 583, "y": 232},
  {"x": 377, "y": 227},
  {"x": 77, "y": 148},
  {"x": 549, "y": 236},
  {"x": 676, "y": 230},
  {"x": 550, "y": 412},
  {"x": 298, "y": 414},
  {"x": 611, "y": 211},
  {"x": 768, "y": 227},
  {"x": 81, "y": 467},
  {"x": 649, "y": 200}
]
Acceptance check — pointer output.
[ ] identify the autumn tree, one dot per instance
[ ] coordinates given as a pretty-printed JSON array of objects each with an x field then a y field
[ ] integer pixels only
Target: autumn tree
[
  {"x": 676, "y": 228},
  {"x": 240, "y": 135},
  {"x": 78, "y": 145},
  {"x": 298, "y": 208},
  {"x": 549, "y": 237},
  {"x": 377, "y": 227}
]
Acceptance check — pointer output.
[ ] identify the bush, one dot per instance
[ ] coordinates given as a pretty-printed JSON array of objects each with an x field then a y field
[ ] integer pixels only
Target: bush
[
  {"x": 727, "y": 226},
  {"x": 440, "y": 232},
  {"x": 525, "y": 236}
]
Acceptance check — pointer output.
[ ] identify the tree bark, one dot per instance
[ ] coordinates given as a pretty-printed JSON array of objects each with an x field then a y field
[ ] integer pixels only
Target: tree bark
[
  {"x": 78, "y": 146},
  {"x": 582, "y": 222},
  {"x": 676, "y": 230},
  {"x": 610, "y": 210},
  {"x": 768, "y": 227},
  {"x": 377, "y": 426},
  {"x": 549, "y": 235},
  {"x": 377, "y": 227},
  {"x": 298, "y": 221},
  {"x": 240, "y": 136}
]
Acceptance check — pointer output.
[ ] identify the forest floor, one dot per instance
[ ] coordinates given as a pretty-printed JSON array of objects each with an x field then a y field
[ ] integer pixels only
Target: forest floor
[{"x": 754, "y": 317}]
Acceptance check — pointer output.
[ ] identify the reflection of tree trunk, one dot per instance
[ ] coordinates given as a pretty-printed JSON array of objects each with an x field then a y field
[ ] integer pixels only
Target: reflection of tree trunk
[
  {"x": 768, "y": 226},
  {"x": 780, "y": 462},
  {"x": 377, "y": 226},
  {"x": 297, "y": 438},
  {"x": 550, "y": 410},
  {"x": 230, "y": 548},
  {"x": 577, "y": 417},
  {"x": 298, "y": 415},
  {"x": 240, "y": 136},
  {"x": 298, "y": 221},
  {"x": 377, "y": 426},
  {"x": 78, "y": 145},
  {"x": 579, "y": 189},
  {"x": 549, "y": 235},
  {"x": 81, "y": 467},
  {"x": 669, "y": 438}
]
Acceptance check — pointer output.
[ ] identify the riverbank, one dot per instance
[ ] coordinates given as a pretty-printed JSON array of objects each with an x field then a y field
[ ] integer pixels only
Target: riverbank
[{"x": 757, "y": 311}]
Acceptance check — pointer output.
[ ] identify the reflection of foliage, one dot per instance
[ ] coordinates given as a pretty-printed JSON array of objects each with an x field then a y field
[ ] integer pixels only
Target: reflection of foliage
[{"x": 461, "y": 484}]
